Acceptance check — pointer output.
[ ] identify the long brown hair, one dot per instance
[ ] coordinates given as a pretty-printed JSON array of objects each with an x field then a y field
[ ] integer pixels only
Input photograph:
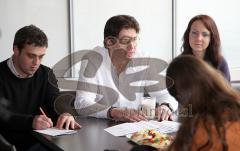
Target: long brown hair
[
  {"x": 210, "y": 95},
  {"x": 213, "y": 54}
]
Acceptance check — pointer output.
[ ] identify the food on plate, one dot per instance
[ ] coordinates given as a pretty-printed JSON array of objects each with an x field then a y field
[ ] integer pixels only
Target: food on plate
[{"x": 152, "y": 138}]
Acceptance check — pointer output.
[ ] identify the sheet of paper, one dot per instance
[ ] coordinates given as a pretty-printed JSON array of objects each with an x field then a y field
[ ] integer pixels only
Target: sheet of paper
[
  {"x": 55, "y": 132},
  {"x": 129, "y": 128},
  {"x": 166, "y": 126}
]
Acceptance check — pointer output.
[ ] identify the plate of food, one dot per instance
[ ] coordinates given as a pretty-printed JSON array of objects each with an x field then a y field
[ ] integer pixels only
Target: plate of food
[{"x": 152, "y": 138}]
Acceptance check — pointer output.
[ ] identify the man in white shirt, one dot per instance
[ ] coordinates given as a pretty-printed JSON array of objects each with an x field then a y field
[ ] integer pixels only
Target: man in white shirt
[{"x": 113, "y": 80}]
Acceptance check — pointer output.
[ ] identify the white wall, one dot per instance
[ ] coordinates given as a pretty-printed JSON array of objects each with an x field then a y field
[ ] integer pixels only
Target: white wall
[
  {"x": 154, "y": 17},
  {"x": 89, "y": 18},
  {"x": 49, "y": 15}
]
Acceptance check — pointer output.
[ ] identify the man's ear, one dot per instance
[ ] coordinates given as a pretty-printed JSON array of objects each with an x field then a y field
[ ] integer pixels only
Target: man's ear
[{"x": 16, "y": 51}]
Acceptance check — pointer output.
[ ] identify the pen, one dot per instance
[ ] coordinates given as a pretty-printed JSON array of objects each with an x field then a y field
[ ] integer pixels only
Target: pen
[{"x": 43, "y": 113}]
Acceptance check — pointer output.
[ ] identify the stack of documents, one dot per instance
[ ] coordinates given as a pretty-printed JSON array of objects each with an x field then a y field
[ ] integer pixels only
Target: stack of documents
[
  {"x": 55, "y": 132},
  {"x": 129, "y": 128}
]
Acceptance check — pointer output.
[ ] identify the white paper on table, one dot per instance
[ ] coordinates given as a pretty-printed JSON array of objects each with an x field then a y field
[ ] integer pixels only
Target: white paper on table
[
  {"x": 120, "y": 130},
  {"x": 129, "y": 128},
  {"x": 55, "y": 132},
  {"x": 166, "y": 126}
]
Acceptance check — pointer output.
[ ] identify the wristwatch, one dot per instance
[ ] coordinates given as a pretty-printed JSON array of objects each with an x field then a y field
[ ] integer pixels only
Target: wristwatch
[
  {"x": 168, "y": 105},
  {"x": 109, "y": 112}
]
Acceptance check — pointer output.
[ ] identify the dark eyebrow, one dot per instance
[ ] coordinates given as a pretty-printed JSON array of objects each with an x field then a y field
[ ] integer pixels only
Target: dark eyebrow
[{"x": 32, "y": 54}]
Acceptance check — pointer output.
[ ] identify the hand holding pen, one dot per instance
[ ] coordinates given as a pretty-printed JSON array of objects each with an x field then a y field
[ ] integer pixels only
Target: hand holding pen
[
  {"x": 42, "y": 121},
  {"x": 46, "y": 117}
]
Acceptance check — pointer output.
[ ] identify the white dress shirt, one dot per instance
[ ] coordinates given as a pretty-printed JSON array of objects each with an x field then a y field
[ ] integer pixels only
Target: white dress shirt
[{"x": 105, "y": 77}]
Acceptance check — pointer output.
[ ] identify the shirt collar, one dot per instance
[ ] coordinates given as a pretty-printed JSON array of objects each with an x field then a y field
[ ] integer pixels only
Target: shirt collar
[{"x": 13, "y": 69}]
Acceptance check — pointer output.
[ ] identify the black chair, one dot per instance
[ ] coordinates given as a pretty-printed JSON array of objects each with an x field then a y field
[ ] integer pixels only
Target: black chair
[{"x": 65, "y": 102}]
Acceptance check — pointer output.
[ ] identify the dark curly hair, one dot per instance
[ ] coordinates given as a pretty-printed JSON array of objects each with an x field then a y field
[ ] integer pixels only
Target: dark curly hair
[
  {"x": 116, "y": 23},
  {"x": 30, "y": 35}
]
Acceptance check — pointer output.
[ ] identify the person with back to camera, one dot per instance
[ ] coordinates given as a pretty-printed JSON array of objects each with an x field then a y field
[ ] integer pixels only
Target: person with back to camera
[
  {"x": 214, "y": 122},
  {"x": 202, "y": 39},
  {"x": 120, "y": 48}
]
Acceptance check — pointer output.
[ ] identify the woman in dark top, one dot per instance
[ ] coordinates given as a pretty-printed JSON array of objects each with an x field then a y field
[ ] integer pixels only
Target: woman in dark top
[{"x": 202, "y": 40}]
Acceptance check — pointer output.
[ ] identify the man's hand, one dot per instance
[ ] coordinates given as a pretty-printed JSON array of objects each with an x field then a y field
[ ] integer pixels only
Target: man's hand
[
  {"x": 41, "y": 122},
  {"x": 66, "y": 121},
  {"x": 127, "y": 115},
  {"x": 164, "y": 113}
]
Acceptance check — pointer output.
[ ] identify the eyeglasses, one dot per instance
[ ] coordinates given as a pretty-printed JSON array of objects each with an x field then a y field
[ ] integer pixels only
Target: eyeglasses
[{"x": 125, "y": 40}]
